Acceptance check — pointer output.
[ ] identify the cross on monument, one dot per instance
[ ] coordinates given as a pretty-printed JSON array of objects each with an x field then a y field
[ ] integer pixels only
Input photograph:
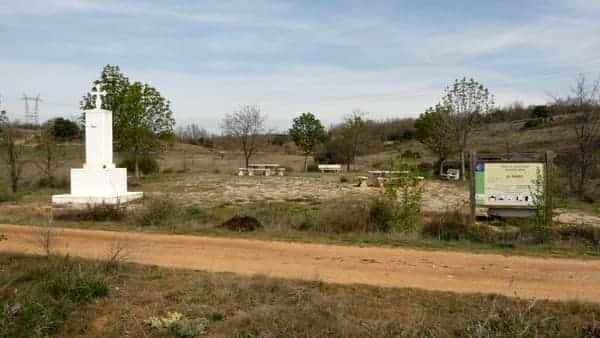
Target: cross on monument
[{"x": 99, "y": 93}]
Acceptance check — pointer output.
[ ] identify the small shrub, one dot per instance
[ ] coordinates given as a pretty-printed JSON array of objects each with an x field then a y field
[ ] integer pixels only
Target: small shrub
[
  {"x": 344, "y": 179},
  {"x": 47, "y": 295},
  {"x": 148, "y": 165},
  {"x": 538, "y": 235},
  {"x": 533, "y": 123},
  {"x": 168, "y": 171},
  {"x": 242, "y": 224},
  {"x": 41, "y": 316},
  {"x": 195, "y": 212},
  {"x": 408, "y": 154},
  {"x": 216, "y": 316},
  {"x": 405, "y": 193},
  {"x": 179, "y": 326},
  {"x": 217, "y": 171},
  {"x": 586, "y": 233},
  {"x": 77, "y": 287},
  {"x": 158, "y": 212},
  {"x": 7, "y": 196},
  {"x": 344, "y": 216},
  {"x": 165, "y": 322},
  {"x": 450, "y": 226},
  {"x": 64, "y": 129},
  {"x": 381, "y": 213},
  {"x": 189, "y": 327},
  {"x": 93, "y": 212}
]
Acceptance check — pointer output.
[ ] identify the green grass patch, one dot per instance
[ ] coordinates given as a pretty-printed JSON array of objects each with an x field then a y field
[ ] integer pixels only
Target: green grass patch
[
  {"x": 38, "y": 298},
  {"x": 228, "y": 305}
]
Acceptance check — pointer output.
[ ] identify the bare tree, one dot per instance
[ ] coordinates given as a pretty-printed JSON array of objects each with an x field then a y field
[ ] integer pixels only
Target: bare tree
[
  {"x": 354, "y": 136},
  {"x": 584, "y": 106},
  {"x": 53, "y": 152},
  {"x": 193, "y": 134},
  {"x": 116, "y": 254},
  {"x": 246, "y": 126},
  {"x": 509, "y": 138},
  {"x": 46, "y": 241},
  {"x": 12, "y": 151},
  {"x": 466, "y": 100}
]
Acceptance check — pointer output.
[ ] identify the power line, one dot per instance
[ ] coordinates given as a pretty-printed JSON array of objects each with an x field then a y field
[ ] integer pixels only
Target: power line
[{"x": 32, "y": 116}]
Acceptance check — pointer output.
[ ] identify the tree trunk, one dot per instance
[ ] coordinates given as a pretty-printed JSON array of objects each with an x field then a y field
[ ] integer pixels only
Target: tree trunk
[
  {"x": 12, "y": 162},
  {"x": 14, "y": 175},
  {"x": 305, "y": 163},
  {"x": 49, "y": 173},
  {"x": 462, "y": 165},
  {"x": 247, "y": 158},
  {"x": 137, "y": 165},
  {"x": 582, "y": 181}
]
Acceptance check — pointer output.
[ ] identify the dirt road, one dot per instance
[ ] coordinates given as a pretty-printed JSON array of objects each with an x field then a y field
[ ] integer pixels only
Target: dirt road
[{"x": 526, "y": 277}]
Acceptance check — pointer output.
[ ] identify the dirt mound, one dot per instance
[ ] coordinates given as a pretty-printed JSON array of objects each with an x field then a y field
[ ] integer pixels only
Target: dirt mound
[{"x": 242, "y": 223}]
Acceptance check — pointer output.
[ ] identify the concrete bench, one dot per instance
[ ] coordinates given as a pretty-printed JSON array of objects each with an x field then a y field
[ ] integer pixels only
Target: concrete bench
[
  {"x": 242, "y": 171},
  {"x": 330, "y": 167},
  {"x": 262, "y": 171},
  {"x": 363, "y": 181}
]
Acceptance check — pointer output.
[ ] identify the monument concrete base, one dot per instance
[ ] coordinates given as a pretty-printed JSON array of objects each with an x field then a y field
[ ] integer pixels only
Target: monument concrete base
[
  {"x": 90, "y": 186},
  {"x": 79, "y": 200}
]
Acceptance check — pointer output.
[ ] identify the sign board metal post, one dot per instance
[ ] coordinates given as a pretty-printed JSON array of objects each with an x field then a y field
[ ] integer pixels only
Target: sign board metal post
[
  {"x": 548, "y": 177},
  {"x": 509, "y": 185},
  {"x": 472, "y": 210}
]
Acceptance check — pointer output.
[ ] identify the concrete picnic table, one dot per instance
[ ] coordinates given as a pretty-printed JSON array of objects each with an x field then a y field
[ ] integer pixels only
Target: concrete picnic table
[
  {"x": 268, "y": 168},
  {"x": 387, "y": 175},
  {"x": 379, "y": 173}
]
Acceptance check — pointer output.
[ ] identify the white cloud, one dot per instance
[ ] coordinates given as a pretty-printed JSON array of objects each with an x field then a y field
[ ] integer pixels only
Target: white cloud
[{"x": 210, "y": 57}]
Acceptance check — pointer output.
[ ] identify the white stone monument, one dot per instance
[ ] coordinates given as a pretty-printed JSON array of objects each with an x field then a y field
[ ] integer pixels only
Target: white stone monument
[{"x": 99, "y": 181}]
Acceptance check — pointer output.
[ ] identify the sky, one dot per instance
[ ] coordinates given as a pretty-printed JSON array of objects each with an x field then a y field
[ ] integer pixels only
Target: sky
[{"x": 390, "y": 59}]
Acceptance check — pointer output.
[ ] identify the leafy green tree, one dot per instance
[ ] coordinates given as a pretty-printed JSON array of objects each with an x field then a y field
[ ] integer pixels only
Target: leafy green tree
[
  {"x": 114, "y": 83},
  {"x": 432, "y": 130},
  {"x": 143, "y": 122},
  {"x": 307, "y": 132},
  {"x": 63, "y": 129},
  {"x": 541, "y": 112},
  {"x": 466, "y": 101},
  {"x": 142, "y": 119}
]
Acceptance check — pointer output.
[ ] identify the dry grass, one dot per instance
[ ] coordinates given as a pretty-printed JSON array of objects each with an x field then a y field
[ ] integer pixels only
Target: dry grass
[{"x": 258, "y": 306}]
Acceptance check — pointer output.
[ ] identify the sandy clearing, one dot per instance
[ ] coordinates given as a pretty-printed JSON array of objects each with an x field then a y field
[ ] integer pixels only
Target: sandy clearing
[{"x": 526, "y": 277}]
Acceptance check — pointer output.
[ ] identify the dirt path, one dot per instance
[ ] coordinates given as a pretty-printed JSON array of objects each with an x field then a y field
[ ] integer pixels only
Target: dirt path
[{"x": 563, "y": 279}]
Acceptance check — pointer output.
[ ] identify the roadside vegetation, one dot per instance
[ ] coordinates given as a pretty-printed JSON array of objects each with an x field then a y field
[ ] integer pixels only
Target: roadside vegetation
[
  {"x": 36, "y": 160},
  {"x": 60, "y": 296},
  {"x": 377, "y": 221}
]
